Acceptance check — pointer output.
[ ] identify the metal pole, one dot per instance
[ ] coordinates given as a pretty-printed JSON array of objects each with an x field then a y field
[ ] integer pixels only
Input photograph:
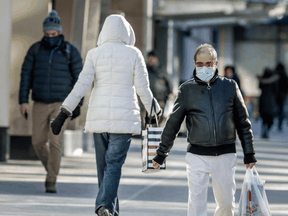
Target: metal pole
[
  {"x": 148, "y": 25},
  {"x": 4, "y": 144},
  {"x": 170, "y": 53}
]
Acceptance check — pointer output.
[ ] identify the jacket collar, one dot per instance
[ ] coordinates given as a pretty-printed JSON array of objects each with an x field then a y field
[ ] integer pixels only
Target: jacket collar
[
  {"x": 199, "y": 81},
  {"x": 47, "y": 45}
]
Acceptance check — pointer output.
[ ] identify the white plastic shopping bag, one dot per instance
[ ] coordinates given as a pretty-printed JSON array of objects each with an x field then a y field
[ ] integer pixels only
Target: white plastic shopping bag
[{"x": 253, "y": 200}]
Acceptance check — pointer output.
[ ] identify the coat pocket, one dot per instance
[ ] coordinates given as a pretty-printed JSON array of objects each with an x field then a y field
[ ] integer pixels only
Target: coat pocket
[
  {"x": 227, "y": 131},
  {"x": 200, "y": 129}
]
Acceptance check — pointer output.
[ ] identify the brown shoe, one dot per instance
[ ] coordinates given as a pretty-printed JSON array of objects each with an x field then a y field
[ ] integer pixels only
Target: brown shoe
[{"x": 50, "y": 187}]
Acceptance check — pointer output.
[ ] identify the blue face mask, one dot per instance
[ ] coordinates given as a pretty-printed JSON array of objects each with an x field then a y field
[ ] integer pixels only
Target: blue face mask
[
  {"x": 52, "y": 40},
  {"x": 205, "y": 73}
]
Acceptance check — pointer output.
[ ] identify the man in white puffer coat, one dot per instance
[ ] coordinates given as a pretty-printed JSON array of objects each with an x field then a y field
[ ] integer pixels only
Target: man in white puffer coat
[{"x": 119, "y": 73}]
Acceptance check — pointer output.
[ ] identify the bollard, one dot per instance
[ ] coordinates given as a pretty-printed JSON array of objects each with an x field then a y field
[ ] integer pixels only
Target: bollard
[{"x": 4, "y": 144}]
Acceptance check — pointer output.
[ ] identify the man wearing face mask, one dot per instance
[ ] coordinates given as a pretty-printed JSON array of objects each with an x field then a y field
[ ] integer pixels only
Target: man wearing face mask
[
  {"x": 50, "y": 69},
  {"x": 214, "y": 111}
]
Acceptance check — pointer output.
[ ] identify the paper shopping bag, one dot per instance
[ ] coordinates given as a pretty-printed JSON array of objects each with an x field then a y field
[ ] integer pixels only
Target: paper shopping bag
[{"x": 150, "y": 143}]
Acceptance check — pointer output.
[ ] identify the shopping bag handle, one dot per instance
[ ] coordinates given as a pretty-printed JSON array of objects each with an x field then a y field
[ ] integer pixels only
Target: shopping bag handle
[
  {"x": 249, "y": 171},
  {"x": 257, "y": 174},
  {"x": 153, "y": 106},
  {"x": 255, "y": 170}
]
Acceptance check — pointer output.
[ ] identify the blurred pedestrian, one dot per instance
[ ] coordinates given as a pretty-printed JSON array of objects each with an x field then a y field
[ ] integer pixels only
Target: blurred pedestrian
[
  {"x": 282, "y": 93},
  {"x": 282, "y": 87},
  {"x": 50, "y": 69},
  {"x": 214, "y": 110},
  {"x": 267, "y": 103},
  {"x": 229, "y": 72},
  {"x": 118, "y": 71},
  {"x": 160, "y": 83}
]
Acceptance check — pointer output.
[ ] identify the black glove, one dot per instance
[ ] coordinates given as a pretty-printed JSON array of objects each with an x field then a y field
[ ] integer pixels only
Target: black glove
[
  {"x": 153, "y": 119},
  {"x": 76, "y": 113},
  {"x": 57, "y": 123}
]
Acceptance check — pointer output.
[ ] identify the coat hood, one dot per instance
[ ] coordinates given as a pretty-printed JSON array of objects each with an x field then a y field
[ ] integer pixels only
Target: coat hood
[{"x": 116, "y": 29}]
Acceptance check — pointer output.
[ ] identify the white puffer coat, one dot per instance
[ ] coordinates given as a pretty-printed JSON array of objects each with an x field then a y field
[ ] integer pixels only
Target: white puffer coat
[{"x": 119, "y": 72}]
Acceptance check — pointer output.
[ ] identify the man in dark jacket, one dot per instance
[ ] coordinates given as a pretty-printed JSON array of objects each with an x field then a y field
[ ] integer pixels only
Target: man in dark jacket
[
  {"x": 50, "y": 69},
  {"x": 160, "y": 83},
  {"x": 282, "y": 93},
  {"x": 267, "y": 102},
  {"x": 214, "y": 110}
]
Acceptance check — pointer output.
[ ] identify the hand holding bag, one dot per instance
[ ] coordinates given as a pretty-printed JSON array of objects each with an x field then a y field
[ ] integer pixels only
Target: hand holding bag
[
  {"x": 253, "y": 200},
  {"x": 150, "y": 142}
]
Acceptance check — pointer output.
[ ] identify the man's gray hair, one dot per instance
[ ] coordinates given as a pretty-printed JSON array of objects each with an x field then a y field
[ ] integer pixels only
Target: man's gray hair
[{"x": 210, "y": 48}]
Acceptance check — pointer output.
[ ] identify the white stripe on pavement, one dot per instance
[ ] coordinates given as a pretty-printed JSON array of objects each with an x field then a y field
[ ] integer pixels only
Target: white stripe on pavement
[{"x": 148, "y": 187}]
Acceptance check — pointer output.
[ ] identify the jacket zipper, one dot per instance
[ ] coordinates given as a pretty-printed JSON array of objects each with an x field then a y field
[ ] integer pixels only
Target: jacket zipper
[
  {"x": 212, "y": 108},
  {"x": 49, "y": 71}
]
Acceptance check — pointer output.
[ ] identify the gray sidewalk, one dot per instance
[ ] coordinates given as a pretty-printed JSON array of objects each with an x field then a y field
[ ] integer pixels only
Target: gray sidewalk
[{"x": 159, "y": 194}]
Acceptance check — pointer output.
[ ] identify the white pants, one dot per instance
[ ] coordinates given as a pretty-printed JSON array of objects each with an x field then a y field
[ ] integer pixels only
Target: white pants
[{"x": 222, "y": 169}]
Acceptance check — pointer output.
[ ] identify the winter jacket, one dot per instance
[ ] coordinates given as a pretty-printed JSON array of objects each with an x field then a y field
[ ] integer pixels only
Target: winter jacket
[
  {"x": 282, "y": 87},
  {"x": 213, "y": 114},
  {"x": 49, "y": 74},
  {"x": 159, "y": 83},
  {"x": 118, "y": 71},
  {"x": 267, "y": 101}
]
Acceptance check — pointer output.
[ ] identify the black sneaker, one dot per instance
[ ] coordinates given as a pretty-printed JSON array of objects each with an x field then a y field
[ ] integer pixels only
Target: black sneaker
[
  {"x": 50, "y": 187},
  {"x": 103, "y": 211}
]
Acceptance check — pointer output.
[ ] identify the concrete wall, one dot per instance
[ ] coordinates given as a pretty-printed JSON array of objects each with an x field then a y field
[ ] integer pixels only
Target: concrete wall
[
  {"x": 5, "y": 39},
  {"x": 135, "y": 14},
  {"x": 250, "y": 59},
  {"x": 5, "y": 34},
  {"x": 65, "y": 12},
  {"x": 27, "y": 19}
]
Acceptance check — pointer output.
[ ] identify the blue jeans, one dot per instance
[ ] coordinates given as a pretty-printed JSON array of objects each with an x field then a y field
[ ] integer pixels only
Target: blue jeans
[{"x": 111, "y": 151}]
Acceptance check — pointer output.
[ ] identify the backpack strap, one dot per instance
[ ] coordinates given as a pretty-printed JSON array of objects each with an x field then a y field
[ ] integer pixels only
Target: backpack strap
[
  {"x": 68, "y": 52},
  {"x": 36, "y": 50}
]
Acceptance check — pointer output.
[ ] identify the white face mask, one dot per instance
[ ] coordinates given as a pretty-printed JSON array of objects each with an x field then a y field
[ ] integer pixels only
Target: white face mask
[{"x": 205, "y": 73}]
